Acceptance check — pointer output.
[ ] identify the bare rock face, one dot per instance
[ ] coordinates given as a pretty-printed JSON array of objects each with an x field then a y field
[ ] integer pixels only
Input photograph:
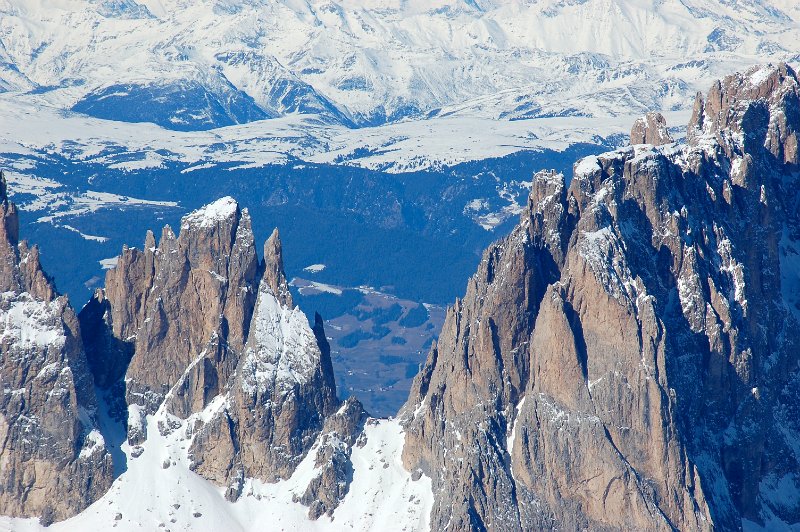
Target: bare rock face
[
  {"x": 650, "y": 129},
  {"x": 53, "y": 460},
  {"x": 184, "y": 306},
  {"x": 752, "y": 118},
  {"x": 629, "y": 357},
  {"x": 282, "y": 392},
  {"x": 203, "y": 333},
  {"x": 273, "y": 276},
  {"x": 342, "y": 431}
]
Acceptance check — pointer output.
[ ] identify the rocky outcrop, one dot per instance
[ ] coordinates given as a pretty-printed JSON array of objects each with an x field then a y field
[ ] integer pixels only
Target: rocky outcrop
[
  {"x": 278, "y": 400},
  {"x": 182, "y": 308},
  {"x": 628, "y": 357},
  {"x": 53, "y": 460},
  {"x": 650, "y": 129},
  {"x": 281, "y": 404},
  {"x": 342, "y": 431},
  {"x": 750, "y": 117},
  {"x": 202, "y": 332}
]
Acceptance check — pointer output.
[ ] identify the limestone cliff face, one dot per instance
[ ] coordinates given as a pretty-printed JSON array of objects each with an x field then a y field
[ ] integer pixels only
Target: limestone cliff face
[
  {"x": 184, "y": 308},
  {"x": 282, "y": 392},
  {"x": 628, "y": 357},
  {"x": 196, "y": 327},
  {"x": 53, "y": 460}
]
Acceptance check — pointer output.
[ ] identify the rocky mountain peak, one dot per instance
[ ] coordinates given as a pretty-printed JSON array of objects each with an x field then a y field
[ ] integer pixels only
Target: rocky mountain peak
[
  {"x": 9, "y": 233},
  {"x": 3, "y": 187},
  {"x": 281, "y": 396},
  {"x": 222, "y": 211},
  {"x": 627, "y": 358},
  {"x": 273, "y": 269},
  {"x": 20, "y": 268},
  {"x": 53, "y": 455},
  {"x": 216, "y": 348},
  {"x": 751, "y": 114},
  {"x": 184, "y": 306}
]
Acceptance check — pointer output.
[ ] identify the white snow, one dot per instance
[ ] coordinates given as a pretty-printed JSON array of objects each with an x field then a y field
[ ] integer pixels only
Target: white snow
[
  {"x": 149, "y": 160},
  {"x": 759, "y": 75},
  {"x": 63, "y": 204},
  {"x": 732, "y": 268},
  {"x": 136, "y": 418},
  {"x": 587, "y": 165},
  {"x": 596, "y": 245},
  {"x": 513, "y": 433},
  {"x": 211, "y": 214},
  {"x": 95, "y": 441},
  {"x": 147, "y": 496},
  {"x": 28, "y": 322},
  {"x": 84, "y": 235},
  {"x": 109, "y": 263},
  {"x": 692, "y": 303},
  {"x": 314, "y": 268},
  {"x": 281, "y": 350},
  {"x": 604, "y": 253},
  {"x": 499, "y": 58},
  {"x": 455, "y": 80},
  {"x": 307, "y": 287},
  {"x": 27, "y": 128}
]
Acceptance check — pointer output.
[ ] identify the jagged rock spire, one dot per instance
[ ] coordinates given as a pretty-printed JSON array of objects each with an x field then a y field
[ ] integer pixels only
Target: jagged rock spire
[
  {"x": 10, "y": 216},
  {"x": 3, "y": 187},
  {"x": 274, "y": 274},
  {"x": 185, "y": 305},
  {"x": 283, "y": 391},
  {"x": 751, "y": 113},
  {"x": 650, "y": 129},
  {"x": 204, "y": 320}
]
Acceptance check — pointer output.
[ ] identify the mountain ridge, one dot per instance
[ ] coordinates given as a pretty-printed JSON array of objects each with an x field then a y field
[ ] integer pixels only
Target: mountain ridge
[
  {"x": 368, "y": 63},
  {"x": 626, "y": 358}
]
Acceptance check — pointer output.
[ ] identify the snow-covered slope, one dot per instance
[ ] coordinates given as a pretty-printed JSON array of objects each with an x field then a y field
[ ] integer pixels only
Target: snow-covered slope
[
  {"x": 200, "y": 64},
  {"x": 432, "y": 82},
  {"x": 158, "y": 491},
  {"x": 27, "y": 130}
]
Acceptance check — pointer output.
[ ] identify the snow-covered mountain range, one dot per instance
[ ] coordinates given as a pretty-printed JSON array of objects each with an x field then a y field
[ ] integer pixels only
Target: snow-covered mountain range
[
  {"x": 395, "y": 86},
  {"x": 190, "y": 65}
]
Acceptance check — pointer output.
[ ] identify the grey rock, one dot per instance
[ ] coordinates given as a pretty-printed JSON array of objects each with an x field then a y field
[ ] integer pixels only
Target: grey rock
[
  {"x": 334, "y": 447},
  {"x": 281, "y": 395},
  {"x": 651, "y": 129},
  {"x": 628, "y": 357},
  {"x": 183, "y": 308},
  {"x": 53, "y": 459},
  {"x": 198, "y": 317}
]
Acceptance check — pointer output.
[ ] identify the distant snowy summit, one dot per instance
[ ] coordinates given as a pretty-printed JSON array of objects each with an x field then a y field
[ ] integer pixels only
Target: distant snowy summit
[{"x": 203, "y": 65}]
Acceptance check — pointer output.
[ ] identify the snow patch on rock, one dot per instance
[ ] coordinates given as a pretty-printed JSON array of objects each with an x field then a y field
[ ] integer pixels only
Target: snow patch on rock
[
  {"x": 282, "y": 350},
  {"x": 148, "y": 496},
  {"x": 211, "y": 214},
  {"x": 26, "y": 321}
]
